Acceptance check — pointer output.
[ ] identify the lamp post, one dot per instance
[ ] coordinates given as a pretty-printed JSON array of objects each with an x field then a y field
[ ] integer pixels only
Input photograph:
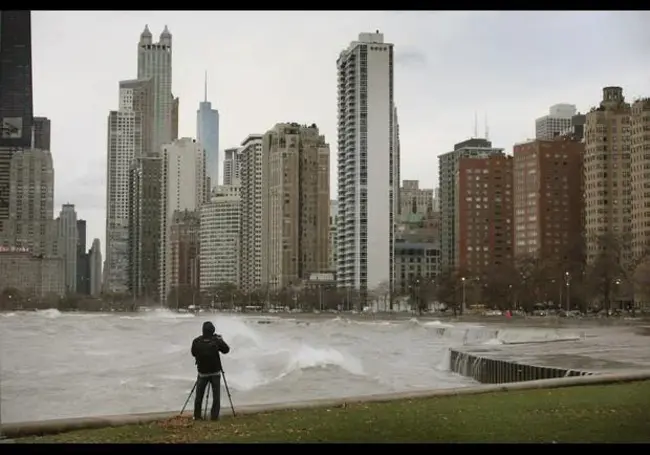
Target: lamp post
[
  {"x": 462, "y": 303},
  {"x": 567, "y": 279}
]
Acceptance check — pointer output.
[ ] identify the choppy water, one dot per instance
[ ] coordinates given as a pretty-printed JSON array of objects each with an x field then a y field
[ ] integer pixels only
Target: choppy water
[{"x": 57, "y": 365}]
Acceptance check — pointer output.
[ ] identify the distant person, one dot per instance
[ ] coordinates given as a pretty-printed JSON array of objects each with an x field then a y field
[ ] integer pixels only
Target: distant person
[{"x": 205, "y": 350}]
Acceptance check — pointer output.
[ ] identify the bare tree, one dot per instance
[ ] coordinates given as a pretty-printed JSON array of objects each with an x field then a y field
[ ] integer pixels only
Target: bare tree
[
  {"x": 497, "y": 290},
  {"x": 382, "y": 293},
  {"x": 447, "y": 289},
  {"x": 607, "y": 270}
]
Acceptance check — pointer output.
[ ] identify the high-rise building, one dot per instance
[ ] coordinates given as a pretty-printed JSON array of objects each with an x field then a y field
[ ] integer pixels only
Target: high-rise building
[
  {"x": 207, "y": 133},
  {"x": 640, "y": 177},
  {"x": 42, "y": 128},
  {"x": 231, "y": 165},
  {"x": 250, "y": 274},
  {"x": 69, "y": 234},
  {"x": 366, "y": 164},
  {"x": 436, "y": 199},
  {"x": 16, "y": 106},
  {"x": 555, "y": 122},
  {"x": 640, "y": 186},
  {"x": 155, "y": 63},
  {"x": 483, "y": 227},
  {"x": 83, "y": 264},
  {"x": 548, "y": 201},
  {"x": 413, "y": 199},
  {"x": 447, "y": 172},
  {"x": 295, "y": 204},
  {"x": 31, "y": 204},
  {"x": 185, "y": 268},
  {"x": 396, "y": 162},
  {"x": 144, "y": 226},
  {"x": 182, "y": 188},
  {"x": 607, "y": 172},
  {"x": 219, "y": 238},
  {"x": 130, "y": 136},
  {"x": 334, "y": 214},
  {"x": 96, "y": 268}
]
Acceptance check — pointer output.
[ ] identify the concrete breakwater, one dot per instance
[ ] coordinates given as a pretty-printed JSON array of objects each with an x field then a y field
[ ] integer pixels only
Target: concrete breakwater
[{"x": 496, "y": 371}]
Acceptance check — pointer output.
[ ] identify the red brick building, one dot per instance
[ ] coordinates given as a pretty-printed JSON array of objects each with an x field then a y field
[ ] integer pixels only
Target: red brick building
[
  {"x": 184, "y": 243},
  {"x": 484, "y": 226},
  {"x": 548, "y": 201}
]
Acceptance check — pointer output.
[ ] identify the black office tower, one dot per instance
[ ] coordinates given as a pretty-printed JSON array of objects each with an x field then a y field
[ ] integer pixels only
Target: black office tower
[{"x": 16, "y": 107}]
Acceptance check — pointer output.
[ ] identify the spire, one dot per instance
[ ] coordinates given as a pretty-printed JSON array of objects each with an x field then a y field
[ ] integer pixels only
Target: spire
[
  {"x": 475, "y": 124},
  {"x": 165, "y": 33},
  {"x": 145, "y": 36},
  {"x": 205, "y": 87},
  {"x": 146, "y": 31}
]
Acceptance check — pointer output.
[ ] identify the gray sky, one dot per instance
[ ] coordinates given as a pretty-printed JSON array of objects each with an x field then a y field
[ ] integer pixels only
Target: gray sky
[{"x": 269, "y": 67}]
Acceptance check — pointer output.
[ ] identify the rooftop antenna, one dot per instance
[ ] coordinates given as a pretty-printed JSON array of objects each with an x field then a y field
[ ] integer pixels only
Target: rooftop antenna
[
  {"x": 487, "y": 128},
  {"x": 205, "y": 86},
  {"x": 475, "y": 125}
]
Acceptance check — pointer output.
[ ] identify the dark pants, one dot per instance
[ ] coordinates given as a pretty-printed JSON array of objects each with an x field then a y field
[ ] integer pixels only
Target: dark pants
[{"x": 201, "y": 385}]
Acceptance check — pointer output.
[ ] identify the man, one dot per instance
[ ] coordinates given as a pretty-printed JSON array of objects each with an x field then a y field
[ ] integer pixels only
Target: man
[{"x": 205, "y": 350}]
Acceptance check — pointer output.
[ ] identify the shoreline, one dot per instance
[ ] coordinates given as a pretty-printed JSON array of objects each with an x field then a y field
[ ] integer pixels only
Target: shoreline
[{"x": 49, "y": 427}]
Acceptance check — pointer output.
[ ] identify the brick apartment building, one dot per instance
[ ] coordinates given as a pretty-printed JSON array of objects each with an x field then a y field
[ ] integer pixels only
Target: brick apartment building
[
  {"x": 548, "y": 201},
  {"x": 484, "y": 227}
]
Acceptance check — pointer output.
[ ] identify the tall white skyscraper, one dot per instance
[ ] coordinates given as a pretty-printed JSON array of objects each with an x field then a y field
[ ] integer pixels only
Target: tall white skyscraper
[
  {"x": 366, "y": 142},
  {"x": 155, "y": 63},
  {"x": 69, "y": 237},
  {"x": 250, "y": 270},
  {"x": 182, "y": 188},
  {"x": 207, "y": 133},
  {"x": 556, "y": 122},
  {"x": 219, "y": 238},
  {"x": 127, "y": 140}
]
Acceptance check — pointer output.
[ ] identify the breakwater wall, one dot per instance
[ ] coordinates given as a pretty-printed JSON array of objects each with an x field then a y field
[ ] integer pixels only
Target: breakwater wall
[{"x": 496, "y": 371}]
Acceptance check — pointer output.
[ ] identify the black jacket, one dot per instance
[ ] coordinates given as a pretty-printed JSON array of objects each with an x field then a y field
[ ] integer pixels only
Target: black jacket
[{"x": 206, "y": 349}]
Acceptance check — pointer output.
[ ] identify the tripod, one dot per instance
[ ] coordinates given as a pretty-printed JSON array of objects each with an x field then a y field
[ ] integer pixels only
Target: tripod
[{"x": 205, "y": 412}]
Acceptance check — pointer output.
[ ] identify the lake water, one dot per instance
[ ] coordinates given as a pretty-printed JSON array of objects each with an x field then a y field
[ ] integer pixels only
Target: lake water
[{"x": 56, "y": 365}]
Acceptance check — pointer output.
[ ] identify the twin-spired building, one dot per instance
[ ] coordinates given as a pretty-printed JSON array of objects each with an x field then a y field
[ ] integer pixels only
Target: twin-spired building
[{"x": 367, "y": 164}]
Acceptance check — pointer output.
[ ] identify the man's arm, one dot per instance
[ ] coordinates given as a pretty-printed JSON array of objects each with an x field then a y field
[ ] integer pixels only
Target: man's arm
[
  {"x": 194, "y": 347},
  {"x": 222, "y": 345}
]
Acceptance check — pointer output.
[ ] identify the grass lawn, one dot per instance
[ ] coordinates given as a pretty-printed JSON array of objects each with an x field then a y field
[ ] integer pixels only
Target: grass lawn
[{"x": 610, "y": 413}]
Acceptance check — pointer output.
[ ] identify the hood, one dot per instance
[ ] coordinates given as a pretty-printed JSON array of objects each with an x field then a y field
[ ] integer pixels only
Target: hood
[{"x": 208, "y": 329}]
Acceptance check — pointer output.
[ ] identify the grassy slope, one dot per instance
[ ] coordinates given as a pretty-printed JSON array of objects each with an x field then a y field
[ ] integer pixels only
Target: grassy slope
[{"x": 611, "y": 413}]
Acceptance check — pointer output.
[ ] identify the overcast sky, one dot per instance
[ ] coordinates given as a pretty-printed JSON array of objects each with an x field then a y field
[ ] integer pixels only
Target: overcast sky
[{"x": 269, "y": 67}]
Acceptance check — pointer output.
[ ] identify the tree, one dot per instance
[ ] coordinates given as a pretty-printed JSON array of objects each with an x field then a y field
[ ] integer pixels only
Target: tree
[
  {"x": 607, "y": 270},
  {"x": 382, "y": 293},
  {"x": 499, "y": 288},
  {"x": 641, "y": 281},
  {"x": 530, "y": 281},
  {"x": 448, "y": 287}
]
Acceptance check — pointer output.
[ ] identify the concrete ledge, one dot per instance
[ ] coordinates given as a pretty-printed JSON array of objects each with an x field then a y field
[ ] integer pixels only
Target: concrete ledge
[
  {"x": 23, "y": 429},
  {"x": 496, "y": 371}
]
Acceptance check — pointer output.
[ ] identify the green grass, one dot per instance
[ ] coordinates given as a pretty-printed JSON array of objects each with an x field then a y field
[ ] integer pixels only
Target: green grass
[{"x": 610, "y": 413}]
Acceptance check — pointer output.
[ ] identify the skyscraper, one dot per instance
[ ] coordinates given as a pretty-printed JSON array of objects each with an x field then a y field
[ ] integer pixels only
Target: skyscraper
[
  {"x": 31, "y": 203},
  {"x": 295, "y": 210},
  {"x": 95, "y": 268},
  {"x": 207, "y": 133},
  {"x": 155, "y": 63},
  {"x": 556, "y": 122},
  {"x": 42, "y": 130},
  {"x": 69, "y": 234},
  {"x": 16, "y": 106},
  {"x": 447, "y": 175},
  {"x": 130, "y": 137},
  {"x": 182, "y": 188},
  {"x": 250, "y": 256},
  {"x": 366, "y": 164},
  {"x": 231, "y": 165}
]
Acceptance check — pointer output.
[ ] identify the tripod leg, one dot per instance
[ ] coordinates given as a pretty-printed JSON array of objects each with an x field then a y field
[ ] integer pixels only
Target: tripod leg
[
  {"x": 188, "y": 397},
  {"x": 207, "y": 399}
]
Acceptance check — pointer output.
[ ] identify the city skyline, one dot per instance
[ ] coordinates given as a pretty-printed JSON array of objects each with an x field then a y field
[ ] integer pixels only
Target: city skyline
[{"x": 430, "y": 112}]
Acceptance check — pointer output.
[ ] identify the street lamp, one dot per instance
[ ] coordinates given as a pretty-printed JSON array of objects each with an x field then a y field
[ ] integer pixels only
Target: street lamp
[
  {"x": 462, "y": 305},
  {"x": 567, "y": 279}
]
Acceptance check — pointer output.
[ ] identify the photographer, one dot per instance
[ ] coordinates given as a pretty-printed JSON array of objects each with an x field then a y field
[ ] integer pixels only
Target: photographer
[{"x": 205, "y": 350}]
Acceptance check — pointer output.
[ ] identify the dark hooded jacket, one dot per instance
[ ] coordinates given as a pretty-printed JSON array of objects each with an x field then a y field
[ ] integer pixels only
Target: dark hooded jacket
[{"x": 206, "y": 349}]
